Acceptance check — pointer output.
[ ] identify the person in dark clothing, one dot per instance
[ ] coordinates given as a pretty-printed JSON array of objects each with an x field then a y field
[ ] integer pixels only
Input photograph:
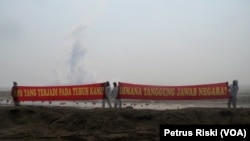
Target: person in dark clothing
[{"x": 14, "y": 94}]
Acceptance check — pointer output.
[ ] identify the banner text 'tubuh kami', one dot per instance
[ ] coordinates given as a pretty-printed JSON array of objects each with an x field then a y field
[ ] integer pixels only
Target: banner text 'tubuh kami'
[{"x": 61, "y": 91}]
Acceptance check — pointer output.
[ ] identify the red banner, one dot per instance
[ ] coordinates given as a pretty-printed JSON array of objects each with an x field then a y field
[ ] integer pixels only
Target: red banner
[
  {"x": 192, "y": 92},
  {"x": 50, "y": 93}
]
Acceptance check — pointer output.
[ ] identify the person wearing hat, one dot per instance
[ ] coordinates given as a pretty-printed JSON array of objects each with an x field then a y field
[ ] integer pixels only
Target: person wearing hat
[
  {"x": 233, "y": 91},
  {"x": 14, "y": 94}
]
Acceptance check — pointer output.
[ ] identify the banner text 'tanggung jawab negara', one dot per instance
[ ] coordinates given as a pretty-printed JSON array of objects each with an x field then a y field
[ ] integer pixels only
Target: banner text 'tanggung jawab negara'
[{"x": 191, "y": 92}]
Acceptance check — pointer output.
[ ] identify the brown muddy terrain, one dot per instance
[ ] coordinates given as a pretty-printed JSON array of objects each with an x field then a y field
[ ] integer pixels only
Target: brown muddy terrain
[{"x": 26, "y": 123}]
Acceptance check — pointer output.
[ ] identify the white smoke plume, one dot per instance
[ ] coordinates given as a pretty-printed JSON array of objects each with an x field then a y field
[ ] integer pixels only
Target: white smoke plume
[{"x": 75, "y": 70}]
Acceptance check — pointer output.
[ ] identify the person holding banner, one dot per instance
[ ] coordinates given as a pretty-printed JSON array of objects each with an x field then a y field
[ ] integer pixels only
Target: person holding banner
[
  {"x": 116, "y": 96},
  {"x": 233, "y": 90},
  {"x": 14, "y": 94},
  {"x": 106, "y": 96}
]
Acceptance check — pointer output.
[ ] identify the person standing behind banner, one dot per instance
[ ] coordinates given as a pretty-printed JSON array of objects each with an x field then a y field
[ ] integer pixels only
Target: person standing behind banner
[
  {"x": 116, "y": 96},
  {"x": 14, "y": 94},
  {"x": 106, "y": 96},
  {"x": 233, "y": 91}
]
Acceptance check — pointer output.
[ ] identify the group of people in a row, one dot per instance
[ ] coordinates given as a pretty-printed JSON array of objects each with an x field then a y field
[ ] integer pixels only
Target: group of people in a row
[
  {"x": 232, "y": 88},
  {"x": 111, "y": 93},
  {"x": 108, "y": 94}
]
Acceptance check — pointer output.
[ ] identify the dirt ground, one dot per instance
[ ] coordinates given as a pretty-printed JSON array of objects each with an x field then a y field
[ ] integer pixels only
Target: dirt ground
[{"x": 31, "y": 123}]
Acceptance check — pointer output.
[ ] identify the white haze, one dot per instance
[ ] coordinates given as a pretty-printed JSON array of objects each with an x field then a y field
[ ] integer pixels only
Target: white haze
[{"x": 159, "y": 42}]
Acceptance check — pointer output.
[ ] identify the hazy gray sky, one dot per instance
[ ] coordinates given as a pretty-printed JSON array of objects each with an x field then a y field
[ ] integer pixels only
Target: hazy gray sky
[{"x": 161, "y": 42}]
